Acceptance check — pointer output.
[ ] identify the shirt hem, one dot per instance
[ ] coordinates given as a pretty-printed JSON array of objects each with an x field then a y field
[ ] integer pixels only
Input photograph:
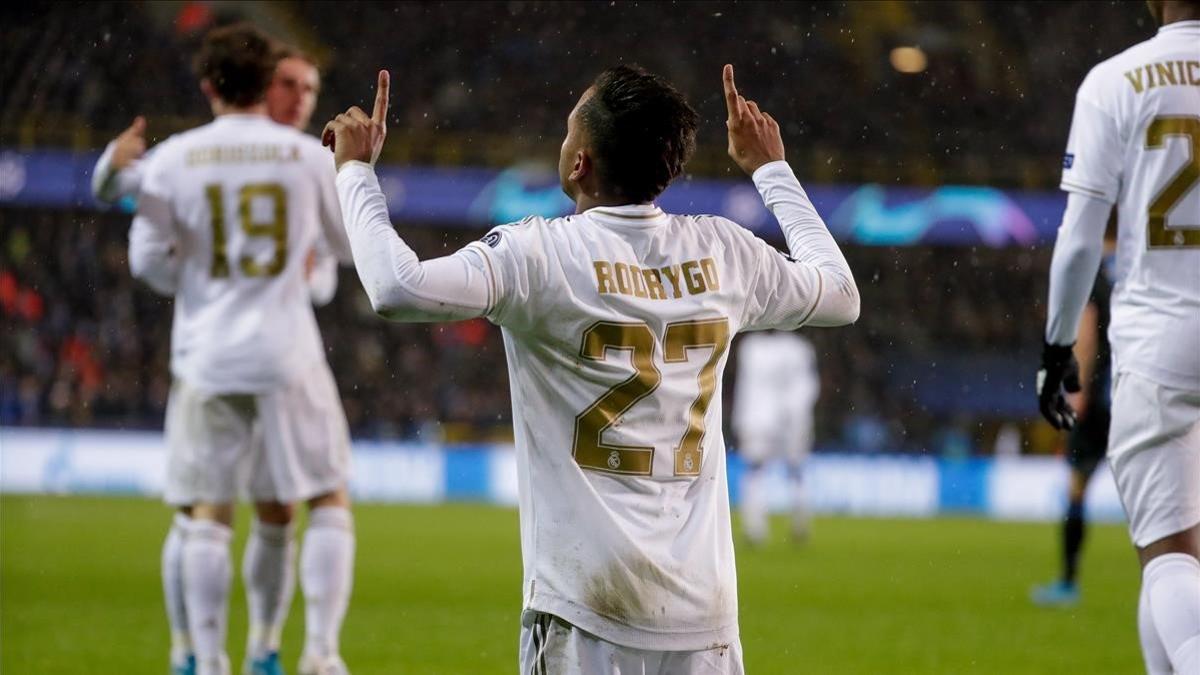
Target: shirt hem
[{"x": 631, "y": 636}]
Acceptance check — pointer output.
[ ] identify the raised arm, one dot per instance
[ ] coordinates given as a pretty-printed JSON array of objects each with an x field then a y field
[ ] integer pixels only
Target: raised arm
[
  {"x": 400, "y": 286},
  {"x": 817, "y": 266},
  {"x": 118, "y": 172}
]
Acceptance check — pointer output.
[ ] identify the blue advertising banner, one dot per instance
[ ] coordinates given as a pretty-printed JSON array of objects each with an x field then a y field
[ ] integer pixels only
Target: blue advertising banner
[
  {"x": 81, "y": 461},
  {"x": 870, "y": 215}
]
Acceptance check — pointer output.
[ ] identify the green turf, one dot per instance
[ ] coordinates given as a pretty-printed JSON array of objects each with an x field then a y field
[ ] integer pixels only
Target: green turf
[{"x": 437, "y": 590}]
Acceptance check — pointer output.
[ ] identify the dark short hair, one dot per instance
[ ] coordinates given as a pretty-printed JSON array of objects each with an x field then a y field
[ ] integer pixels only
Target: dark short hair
[
  {"x": 239, "y": 61},
  {"x": 641, "y": 130},
  {"x": 286, "y": 51}
]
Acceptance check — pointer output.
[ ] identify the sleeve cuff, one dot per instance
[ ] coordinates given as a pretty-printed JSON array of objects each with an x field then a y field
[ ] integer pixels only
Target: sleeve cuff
[
  {"x": 1072, "y": 186},
  {"x": 778, "y": 168},
  {"x": 355, "y": 168}
]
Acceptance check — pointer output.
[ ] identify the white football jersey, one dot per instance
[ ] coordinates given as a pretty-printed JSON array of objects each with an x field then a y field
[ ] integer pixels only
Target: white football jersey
[
  {"x": 242, "y": 201},
  {"x": 617, "y": 324},
  {"x": 1135, "y": 141},
  {"x": 777, "y": 384}
]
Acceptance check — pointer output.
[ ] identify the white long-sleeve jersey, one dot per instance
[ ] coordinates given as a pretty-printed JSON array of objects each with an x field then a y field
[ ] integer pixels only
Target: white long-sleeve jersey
[
  {"x": 616, "y": 326},
  {"x": 227, "y": 216},
  {"x": 1135, "y": 142},
  {"x": 110, "y": 186}
]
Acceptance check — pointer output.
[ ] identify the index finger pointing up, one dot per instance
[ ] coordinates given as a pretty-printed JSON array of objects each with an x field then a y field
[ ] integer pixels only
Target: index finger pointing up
[
  {"x": 381, "y": 98},
  {"x": 731, "y": 95}
]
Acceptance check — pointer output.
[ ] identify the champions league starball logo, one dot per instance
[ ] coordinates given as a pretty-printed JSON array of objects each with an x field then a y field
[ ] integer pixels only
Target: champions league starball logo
[
  {"x": 516, "y": 192},
  {"x": 12, "y": 175}
]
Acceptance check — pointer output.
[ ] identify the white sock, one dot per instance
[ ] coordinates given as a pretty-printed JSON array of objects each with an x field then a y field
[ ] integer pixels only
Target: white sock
[
  {"x": 326, "y": 574},
  {"x": 801, "y": 520},
  {"x": 1153, "y": 653},
  {"x": 268, "y": 569},
  {"x": 1172, "y": 581},
  {"x": 172, "y": 579},
  {"x": 206, "y": 579},
  {"x": 754, "y": 503}
]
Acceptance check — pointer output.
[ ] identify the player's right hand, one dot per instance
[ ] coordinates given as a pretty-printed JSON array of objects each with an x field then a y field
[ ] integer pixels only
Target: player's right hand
[
  {"x": 130, "y": 145},
  {"x": 355, "y": 137},
  {"x": 754, "y": 137},
  {"x": 1058, "y": 376}
]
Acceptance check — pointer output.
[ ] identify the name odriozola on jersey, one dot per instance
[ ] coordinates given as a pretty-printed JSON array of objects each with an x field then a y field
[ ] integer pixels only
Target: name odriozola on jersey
[{"x": 228, "y": 216}]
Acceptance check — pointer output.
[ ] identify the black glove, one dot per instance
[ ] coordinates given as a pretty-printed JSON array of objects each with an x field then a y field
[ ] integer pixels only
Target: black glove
[{"x": 1058, "y": 375}]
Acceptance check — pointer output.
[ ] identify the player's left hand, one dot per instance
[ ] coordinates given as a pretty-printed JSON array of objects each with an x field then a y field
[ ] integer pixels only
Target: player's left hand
[
  {"x": 130, "y": 145},
  {"x": 355, "y": 137},
  {"x": 1058, "y": 376}
]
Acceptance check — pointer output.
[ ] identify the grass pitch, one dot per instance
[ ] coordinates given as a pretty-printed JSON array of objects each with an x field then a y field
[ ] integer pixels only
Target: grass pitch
[{"x": 437, "y": 590}]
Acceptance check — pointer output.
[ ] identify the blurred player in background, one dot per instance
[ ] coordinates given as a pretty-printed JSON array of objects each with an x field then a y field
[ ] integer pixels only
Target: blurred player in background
[
  {"x": 616, "y": 324},
  {"x": 1088, "y": 439},
  {"x": 1135, "y": 142},
  {"x": 229, "y": 217},
  {"x": 773, "y": 398}
]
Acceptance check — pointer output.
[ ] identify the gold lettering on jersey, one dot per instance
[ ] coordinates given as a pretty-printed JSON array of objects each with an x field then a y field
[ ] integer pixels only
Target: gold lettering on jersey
[
  {"x": 639, "y": 282},
  {"x": 709, "y": 267},
  {"x": 1135, "y": 78},
  {"x": 672, "y": 274},
  {"x": 1164, "y": 74},
  {"x": 604, "y": 276},
  {"x": 242, "y": 154},
  {"x": 654, "y": 284},
  {"x": 693, "y": 277},
  {"x": 697, "y": 276},
  {"x": 624, "y": 285}
]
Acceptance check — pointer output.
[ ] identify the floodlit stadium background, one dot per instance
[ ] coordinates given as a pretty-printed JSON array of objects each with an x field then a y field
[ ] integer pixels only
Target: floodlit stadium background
[{"x": 929, "y": 135}]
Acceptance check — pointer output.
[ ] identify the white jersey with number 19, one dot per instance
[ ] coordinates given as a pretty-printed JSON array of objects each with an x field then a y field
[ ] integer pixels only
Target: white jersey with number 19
[
  {"x": 1135, "y": 141},
  {"x": 228, "y": 215}
]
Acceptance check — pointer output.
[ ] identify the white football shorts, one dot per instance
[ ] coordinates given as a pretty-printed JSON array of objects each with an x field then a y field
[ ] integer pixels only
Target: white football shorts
[
  {"x": 287, "y": 445},
  {"x": 1154, "y": 450},
  {"x": 551, "y": 646}
]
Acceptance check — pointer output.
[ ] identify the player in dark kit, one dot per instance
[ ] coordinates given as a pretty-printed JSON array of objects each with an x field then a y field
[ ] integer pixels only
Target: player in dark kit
[{"x": 1088, "y": 441}]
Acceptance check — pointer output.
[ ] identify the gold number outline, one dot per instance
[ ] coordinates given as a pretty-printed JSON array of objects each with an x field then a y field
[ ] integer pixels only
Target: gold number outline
[
  {"x": 698, "y": 334},
  {"x": 1158, "y": 235},
  {"x": 276, "y": 229},
  {"x": 216, "y": 203},
  {"x": 589, "y": 449}
]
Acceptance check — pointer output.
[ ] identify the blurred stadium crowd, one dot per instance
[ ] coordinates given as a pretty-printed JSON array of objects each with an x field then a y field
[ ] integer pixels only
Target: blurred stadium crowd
[{"x": 490, "y": 84}]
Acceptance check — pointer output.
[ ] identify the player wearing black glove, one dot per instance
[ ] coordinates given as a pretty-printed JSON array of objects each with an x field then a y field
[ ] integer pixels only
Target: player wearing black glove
[{"x": 1058, "y": 376}]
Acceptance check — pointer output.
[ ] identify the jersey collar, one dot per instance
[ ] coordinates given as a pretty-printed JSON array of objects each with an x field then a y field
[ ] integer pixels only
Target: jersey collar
[
  {"x": 239, "y": 117},
  {"x": 1181, "y": 26},
  {"x": 629, "y": 215}
]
